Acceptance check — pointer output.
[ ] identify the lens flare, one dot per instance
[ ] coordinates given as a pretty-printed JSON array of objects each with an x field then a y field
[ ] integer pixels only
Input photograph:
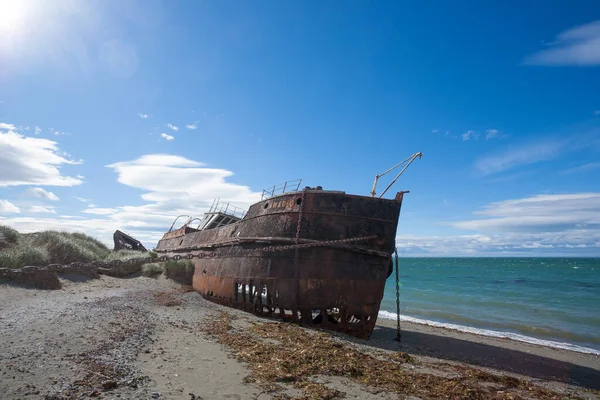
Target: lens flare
[{"x": 13, "y": 15}]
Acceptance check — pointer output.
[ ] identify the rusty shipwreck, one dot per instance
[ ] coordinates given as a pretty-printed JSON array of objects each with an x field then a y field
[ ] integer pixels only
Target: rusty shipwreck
[{"x": 314, "y": 256}]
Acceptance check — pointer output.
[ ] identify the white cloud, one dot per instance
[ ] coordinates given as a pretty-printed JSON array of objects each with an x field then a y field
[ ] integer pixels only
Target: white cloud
[
  {"x": 42, "y": 210},
  {"x": 144, "y": 116},
  {"x": 166, "y": 136},
  {"x": 38, "y": 130},
  {"x": 82, "y": 199},
  {"x": 58, "y": 133},
  {"x": 541, "y": 213},
  {"x": 173, "y": 186},
  {"x": 6, "y": 207},
  {"x": 435, "y": 131},
  {"x": 470, "y": 135},
  {"x": 572, "y": 243},
  {"x": 31, "y": 161},
  {"x": 173, "y": 127},
  {"x": 8, "y": 127},
  {"x": 491, "y": 133},
  {"x": 99, "y": 211},
  {"x": 582, "y": 168},
  {"x": 578, "y": 46},
  {"x": 192, "y": 126},
  {"x": 42, "y": 194},
  {"x": 555, "y": 224}
]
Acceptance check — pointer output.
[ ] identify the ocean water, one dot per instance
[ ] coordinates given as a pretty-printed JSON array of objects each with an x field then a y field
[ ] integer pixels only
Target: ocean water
[{"x": 549, "y": 301}]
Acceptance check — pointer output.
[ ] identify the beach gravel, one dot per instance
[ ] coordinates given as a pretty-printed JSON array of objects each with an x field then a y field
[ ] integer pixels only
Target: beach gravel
[{"x": 145, "y": 338}]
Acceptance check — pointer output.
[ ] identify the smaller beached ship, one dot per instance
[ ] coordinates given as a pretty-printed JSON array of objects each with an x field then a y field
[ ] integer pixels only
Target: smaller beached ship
[{"x": 319, "y": 257}]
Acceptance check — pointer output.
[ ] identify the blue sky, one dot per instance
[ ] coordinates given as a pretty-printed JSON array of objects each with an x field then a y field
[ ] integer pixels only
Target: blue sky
[{"x": 122, "y": 115}]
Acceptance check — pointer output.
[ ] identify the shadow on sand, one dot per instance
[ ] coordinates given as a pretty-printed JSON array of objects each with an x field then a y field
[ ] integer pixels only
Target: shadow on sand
[{"x": 483, "y": 355}]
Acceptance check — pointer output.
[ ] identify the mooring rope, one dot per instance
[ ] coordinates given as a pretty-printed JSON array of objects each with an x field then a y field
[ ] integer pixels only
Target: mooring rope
[{"x": 398, "y": 334}]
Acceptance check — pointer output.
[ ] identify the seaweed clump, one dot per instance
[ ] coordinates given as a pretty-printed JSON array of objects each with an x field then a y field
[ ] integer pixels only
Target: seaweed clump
[{"x": 280, "y": 354}]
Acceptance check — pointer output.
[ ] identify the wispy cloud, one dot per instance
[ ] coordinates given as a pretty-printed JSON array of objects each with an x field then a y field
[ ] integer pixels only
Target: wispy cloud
[
  {"x": 166, "y": 136},
  {"x": 491, "y": 134},
  {"x": 42, "y": 209},
  {"x": 83, "y": 200},
  {"x": 537, "y": 151},
  {"x": 576, "y": 242},
  {"x": 556, "y": 224},
  {"x": 42, "y": 194},
  {"x": 192, "y": 126},
  {"x": 173, "y": 127},
  {"x": 597, "y": 112},
  {"x": 578, "y": 46},
  {"x": 6, "y": 207},
  {"x": 435, "y": 131},
  {"x": 144, "y": 116},
  {"x": 528, "y": 154},
  {"x": 100, "y": 211},
  {"x": 38, "y": 130},
  {"x": 32, "y": 161},
  {"x": 582, "y": 168},
  {"x": 470, "y": 134},
  {"x": 511, "y": 176},
  {"x": 540, "y": 213}
]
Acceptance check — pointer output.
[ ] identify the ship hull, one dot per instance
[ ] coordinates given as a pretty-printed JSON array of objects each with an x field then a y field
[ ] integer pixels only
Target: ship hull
[{"x": 256, "y": 265}]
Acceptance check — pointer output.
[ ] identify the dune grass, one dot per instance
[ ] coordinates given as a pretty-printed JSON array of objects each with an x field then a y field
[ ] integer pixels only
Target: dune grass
[
  {"x": 152, "y": 270},
  {"x": 64, "y": 247},
  {"x": 53, "y": 247},
  {"x": 48, "y": 247},
  {"x": 180, "y": 271},
  {"x": 8, "y": 236},
  {"x": 17, "y": 257}
]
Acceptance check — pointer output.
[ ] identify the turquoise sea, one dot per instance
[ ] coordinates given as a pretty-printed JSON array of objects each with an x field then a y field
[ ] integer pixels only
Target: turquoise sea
[{"x": 550, "y": 301}]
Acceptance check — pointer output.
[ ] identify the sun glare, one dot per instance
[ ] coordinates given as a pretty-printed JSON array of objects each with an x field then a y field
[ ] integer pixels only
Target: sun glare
[{"x": 13, "y": 14}]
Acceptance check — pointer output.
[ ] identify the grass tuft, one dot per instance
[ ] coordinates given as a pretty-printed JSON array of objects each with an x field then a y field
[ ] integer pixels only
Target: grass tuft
[
  {"x": 180, "y": 271},
  {"x": 23, "y": 256},
  {"x": 8, "y": 236},
  {"x": 152, "y": 270}
]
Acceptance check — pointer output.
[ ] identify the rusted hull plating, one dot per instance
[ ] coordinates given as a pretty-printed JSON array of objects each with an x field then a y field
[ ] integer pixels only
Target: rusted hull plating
[{"x": 337, "y": 287}]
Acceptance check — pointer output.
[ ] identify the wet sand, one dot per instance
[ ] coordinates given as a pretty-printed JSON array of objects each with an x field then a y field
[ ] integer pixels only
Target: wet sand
[{"x": 142, "y": 338}]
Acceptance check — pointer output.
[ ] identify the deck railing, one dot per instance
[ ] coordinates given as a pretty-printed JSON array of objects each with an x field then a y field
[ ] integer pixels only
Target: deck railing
[
  {"x": 289, "y": 186},
  {"x": 228, "y": 209}
]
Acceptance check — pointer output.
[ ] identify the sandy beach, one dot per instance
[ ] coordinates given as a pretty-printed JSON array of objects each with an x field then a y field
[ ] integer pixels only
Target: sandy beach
[{"x": 147, "y": 338}]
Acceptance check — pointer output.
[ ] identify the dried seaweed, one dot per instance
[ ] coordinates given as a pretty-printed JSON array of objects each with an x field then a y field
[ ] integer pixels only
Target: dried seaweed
[
  {"x": 303, "y": 354},
  {"x": 167, "y": 299}
]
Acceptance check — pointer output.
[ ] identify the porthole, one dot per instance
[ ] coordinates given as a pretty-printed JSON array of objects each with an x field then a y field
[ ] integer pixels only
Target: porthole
[
  {"x": 299, "y": 201},
  {"x": 266, "y": 205}
]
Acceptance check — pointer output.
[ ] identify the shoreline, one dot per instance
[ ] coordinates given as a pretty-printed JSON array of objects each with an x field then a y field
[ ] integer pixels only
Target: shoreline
[
  {"x": 162, "y": 351},
  {"x": 505, "y": 354},
  {"x": 489, "y": 333}
]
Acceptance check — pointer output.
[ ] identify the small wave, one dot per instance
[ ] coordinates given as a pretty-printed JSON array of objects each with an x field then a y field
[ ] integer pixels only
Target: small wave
[{"x": 490, "y": 333}]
